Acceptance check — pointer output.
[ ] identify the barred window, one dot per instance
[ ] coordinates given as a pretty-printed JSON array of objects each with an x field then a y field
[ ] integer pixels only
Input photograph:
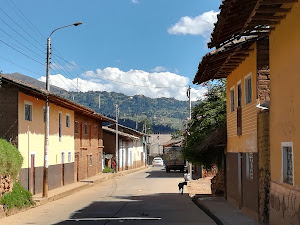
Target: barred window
[
  {"x": 288, "y": 164},
  {"x": 28, "y": 112},
  {"x": 249, "y": 164},
  {"x": 67, "y": 120}
]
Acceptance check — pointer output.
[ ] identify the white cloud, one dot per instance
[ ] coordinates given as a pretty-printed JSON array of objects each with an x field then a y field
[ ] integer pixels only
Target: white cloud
[
  {"x": 159, "y": 69},
  {"x": 68, "y": 67},
  {"x": 141, "y": 83},
  {"x": 135, "y": 1},
  {"x": 200, "y": 25}
]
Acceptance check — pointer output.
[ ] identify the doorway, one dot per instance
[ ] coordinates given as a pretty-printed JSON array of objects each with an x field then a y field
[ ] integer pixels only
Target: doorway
[{"x": 32, "y": 173}]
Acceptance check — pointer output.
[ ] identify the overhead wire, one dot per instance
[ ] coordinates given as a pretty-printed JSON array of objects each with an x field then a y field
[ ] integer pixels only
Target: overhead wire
[
  {"x": 21, "y": 52},
  {"x": 21, "y": 27},
  {"x": 21, "y": 44},
  {"x": 56, "y": 53},
  {"x": 20, "y": 66}
]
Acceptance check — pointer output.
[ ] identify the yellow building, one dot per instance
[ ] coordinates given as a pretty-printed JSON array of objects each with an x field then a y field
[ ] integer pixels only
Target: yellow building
[
  {"x": 241, "y": 63},
  {"x": 284, "y": 119},
  {"x": 22, "y": 110},
  {"x": 278, "y": 20}
]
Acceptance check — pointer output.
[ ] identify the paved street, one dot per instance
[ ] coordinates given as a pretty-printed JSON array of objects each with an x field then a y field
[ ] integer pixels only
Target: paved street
[{"x": 146, "y": 197}]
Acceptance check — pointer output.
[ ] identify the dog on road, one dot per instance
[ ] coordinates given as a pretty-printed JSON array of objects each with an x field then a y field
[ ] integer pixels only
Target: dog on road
[{"x": 180, "y": 186}]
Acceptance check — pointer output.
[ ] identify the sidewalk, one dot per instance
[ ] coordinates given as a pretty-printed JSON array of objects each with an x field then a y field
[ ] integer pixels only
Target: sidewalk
[
  {"x": 222, "y": 212},
  {"x": 70, "y": 189}
]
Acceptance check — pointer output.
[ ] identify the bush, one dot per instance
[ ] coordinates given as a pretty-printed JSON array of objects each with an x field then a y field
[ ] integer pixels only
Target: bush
[
  {"x": 107, "y": 170},
  {"x": 19, "y": 197},
  {"x": 10, "y": 159}
]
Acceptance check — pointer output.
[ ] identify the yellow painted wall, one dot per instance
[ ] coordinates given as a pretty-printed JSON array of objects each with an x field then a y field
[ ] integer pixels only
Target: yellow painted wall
[
  {"x": 247, "y": 142},
  {"x": 31, "y": 133},
  {"x": 285, "y": 93}
]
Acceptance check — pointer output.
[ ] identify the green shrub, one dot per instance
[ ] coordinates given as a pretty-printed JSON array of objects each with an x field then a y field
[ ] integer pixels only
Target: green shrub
[
  {"x": 107, "y": 170},
  {"x": 10, "y": 159},
  {"x": 19, "y": 197}
]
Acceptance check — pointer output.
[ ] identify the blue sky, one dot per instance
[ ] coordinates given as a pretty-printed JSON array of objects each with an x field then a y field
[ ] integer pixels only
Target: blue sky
[{"x": 147, "y": 43}]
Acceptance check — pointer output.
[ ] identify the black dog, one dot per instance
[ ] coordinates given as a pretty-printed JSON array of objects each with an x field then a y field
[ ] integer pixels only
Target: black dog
[{"x": 180, "y": 186}]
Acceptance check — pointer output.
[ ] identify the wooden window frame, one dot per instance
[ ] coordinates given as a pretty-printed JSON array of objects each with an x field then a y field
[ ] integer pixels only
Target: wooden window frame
[
  {"x": 246, "y": 91},
  {"x": 232, "y": 104}
]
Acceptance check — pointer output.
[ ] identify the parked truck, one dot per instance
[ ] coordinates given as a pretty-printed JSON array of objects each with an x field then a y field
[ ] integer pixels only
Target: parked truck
[{"x": 173, "y": 159}]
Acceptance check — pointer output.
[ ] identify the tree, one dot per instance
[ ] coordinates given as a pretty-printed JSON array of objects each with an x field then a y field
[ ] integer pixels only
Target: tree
[{"x": 205, "y": 137}]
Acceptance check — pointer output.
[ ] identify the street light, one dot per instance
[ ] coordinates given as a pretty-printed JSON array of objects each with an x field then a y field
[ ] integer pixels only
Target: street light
[
  {"x": 117, "y": 135},
  {"x": 46, "y": 144}
]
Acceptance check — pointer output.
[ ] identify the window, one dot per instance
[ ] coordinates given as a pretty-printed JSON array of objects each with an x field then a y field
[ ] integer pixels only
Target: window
[
  {"x": 59, "y": 126},
  {"x": 239, "y": 109},
  {"x": 231, "y": 99},
  {"x": 67, "y": 120},
  {"x": 28, "y": 111},
  {"x": 248, "y": 89},
  {"x": 76, "y": 128},
  {"x": 85, "y": 128},
  {"x": 288, "y": 162},
  {"x": 90, "y": 160},
  {"x": 69, "y": 157},
  {"x": 44, "y": 114},
  {"x": 249, "y": 166}
]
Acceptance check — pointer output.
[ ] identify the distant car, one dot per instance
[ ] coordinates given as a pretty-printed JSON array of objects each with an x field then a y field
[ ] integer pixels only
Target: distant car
[{"x": 157, "y": 161}]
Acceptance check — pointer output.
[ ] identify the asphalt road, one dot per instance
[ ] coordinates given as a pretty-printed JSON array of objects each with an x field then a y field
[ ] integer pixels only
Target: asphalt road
[{"x": 147, "y": 197}]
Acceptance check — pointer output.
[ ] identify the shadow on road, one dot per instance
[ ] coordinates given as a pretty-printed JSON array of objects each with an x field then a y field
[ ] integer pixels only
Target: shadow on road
[
  {"x": 148, "y": 209},
  {"x": 160, "y": 172}
]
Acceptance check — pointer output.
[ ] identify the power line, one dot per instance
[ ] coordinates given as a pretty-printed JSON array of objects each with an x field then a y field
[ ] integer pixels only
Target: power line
[
  {"x": 21, "y": 28},
  {"x": 69, "y": 63},
  {"x": 26, "y": 19},
  {"x": 20, "y": 66},
  {"x": 22, "y": 53},
  {"x": 20, "y": 35},
  {"x": 21, "y": 44}
]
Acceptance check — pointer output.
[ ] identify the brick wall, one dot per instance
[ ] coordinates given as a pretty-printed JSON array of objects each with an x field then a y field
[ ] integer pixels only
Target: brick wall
[
  {"x": 264, "y": 165},
  {"x": 263, "y": 71},
  {"x": 9, "y": 113},
  {"x": 88, "y": 146}
]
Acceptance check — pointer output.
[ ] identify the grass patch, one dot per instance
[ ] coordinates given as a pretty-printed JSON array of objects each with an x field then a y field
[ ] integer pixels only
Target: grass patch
[
  {"x": 107, "y": 170},
  {"x": 18, "y": 198},
  {"x": 10, "y": 159}
]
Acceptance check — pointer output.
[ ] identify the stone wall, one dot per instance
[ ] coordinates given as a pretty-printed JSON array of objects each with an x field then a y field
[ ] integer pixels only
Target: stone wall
[
  {"x": 263, "y": 71},
  {"x": 6, "y": 185},
  {"x": 264, "y": 166},
  {"x": 218, "y": 184}
]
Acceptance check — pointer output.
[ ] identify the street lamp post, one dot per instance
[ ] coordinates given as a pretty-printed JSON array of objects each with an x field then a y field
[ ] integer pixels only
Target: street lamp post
[
  {"x": 46, "y": 144},
  {"x": 117, "y": 133}
]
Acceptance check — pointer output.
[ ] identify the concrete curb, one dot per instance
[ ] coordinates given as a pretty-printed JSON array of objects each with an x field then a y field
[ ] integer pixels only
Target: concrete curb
[
  {"x": 84, "y": 184},
  {"x": 205, "y": 209}
]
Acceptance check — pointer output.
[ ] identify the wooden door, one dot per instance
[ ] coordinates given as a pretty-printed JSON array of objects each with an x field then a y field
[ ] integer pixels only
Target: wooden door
[
  {"x": 32, "y": 174},
  {"x": 76, "y": 166},
  {"x": 62, "y": 168},
  {"x": 240, "y": 179}
]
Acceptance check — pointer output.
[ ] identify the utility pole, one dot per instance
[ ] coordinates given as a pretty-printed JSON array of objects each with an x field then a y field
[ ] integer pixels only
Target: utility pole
[
  {"x": 190, "y": 166},
  {"x": 46, "y": 142},
  {"x": 117, "y": 138},
  {"x": 77, "y": 83},
  {"x": 99, "y": 102}
]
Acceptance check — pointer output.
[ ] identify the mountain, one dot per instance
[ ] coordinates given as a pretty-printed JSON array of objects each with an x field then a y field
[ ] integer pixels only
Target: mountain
[
  {"x": 33, "y": 81},
  {"x": 164, "y": 114}
]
